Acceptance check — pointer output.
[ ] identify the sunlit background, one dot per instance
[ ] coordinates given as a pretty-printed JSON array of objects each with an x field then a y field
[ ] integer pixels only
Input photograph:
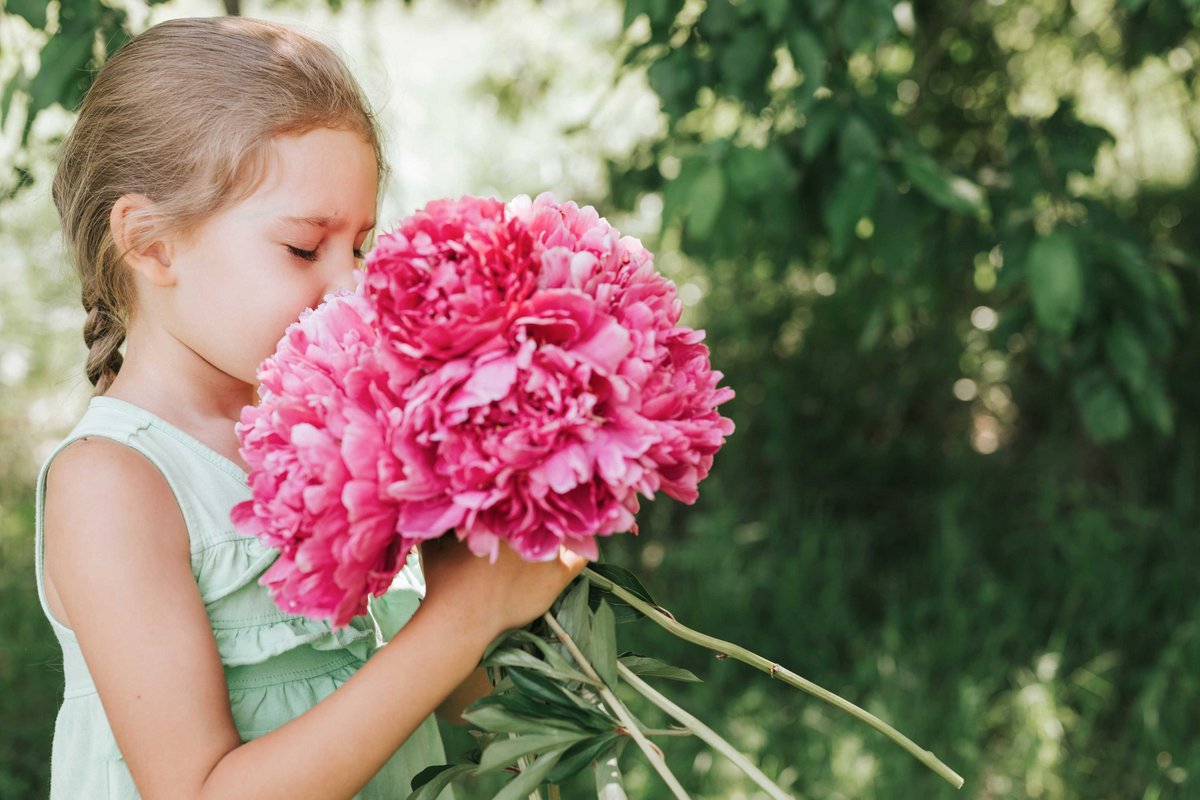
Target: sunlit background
[{"x": 946, "y": 254}]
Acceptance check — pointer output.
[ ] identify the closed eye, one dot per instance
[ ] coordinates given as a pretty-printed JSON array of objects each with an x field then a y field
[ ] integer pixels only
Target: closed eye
[
  {"x": 307, "y": 255},
  {"x": 311, "y": 255}
]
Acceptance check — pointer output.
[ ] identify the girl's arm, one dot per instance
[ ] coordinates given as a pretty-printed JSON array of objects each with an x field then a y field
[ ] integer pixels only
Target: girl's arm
[
  {"x": 117, "y": 551},
  {"x": 474, "y": 687}
]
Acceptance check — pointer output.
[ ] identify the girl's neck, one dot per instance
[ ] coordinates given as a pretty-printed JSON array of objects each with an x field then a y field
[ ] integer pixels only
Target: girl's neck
[{"x": 163, "y": 376}]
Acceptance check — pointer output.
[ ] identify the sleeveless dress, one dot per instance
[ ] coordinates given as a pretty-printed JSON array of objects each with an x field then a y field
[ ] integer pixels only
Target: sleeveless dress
[{"x": 277, "y": 665}]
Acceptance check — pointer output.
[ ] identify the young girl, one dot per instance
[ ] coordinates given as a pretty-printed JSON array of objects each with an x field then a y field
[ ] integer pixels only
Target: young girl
[{"x": 223, "y": 176}]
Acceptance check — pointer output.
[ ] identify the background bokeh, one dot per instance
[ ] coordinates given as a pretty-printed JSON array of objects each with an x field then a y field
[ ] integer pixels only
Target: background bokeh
[{"x": 946, "y": 253}]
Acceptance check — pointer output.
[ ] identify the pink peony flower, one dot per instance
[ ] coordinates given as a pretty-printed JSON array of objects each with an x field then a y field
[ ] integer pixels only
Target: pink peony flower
[
  {"x": 506, "y": 372},
  {"x": 455, "y": 272},
  {"x": 524, "y": 439},
  {"x": 313, "y": 445}
]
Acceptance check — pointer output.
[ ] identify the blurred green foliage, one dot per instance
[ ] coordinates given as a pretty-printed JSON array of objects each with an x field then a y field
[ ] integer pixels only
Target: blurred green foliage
[
  {"x": 946, "y": 254},
  {"x": 962, "y": 489},
  {"x": 85, "y": 32}
]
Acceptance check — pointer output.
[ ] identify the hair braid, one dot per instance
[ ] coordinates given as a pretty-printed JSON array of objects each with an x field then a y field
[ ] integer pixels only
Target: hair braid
[{"x": 103, "y": 333}]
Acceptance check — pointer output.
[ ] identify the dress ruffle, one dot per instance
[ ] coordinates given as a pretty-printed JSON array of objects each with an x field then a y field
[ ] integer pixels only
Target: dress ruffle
[
  {"x": 228, "y": 564},
  {"x": 256, "y": 644},
  {"x": 248, "y": 626},
  {"x": 258, "y": 710}
]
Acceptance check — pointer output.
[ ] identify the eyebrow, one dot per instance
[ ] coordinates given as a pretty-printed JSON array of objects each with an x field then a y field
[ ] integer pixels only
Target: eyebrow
[{"x": 321, "y": 222}]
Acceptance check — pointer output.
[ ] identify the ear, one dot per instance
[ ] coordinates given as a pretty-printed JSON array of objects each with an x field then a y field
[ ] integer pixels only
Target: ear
[{"x": 128, "y": 222}]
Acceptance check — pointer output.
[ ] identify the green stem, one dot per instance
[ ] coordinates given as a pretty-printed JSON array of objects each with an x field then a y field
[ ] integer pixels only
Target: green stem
[
  {"x": 666, "y": 732},
  {"x": 653, "y": 755},
  {"x": 776, "y": 671},
  {"x": 704, "y": 732}
]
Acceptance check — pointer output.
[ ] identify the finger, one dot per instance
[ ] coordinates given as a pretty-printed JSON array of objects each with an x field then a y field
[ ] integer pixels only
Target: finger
[{"x": 572, "y": 560}]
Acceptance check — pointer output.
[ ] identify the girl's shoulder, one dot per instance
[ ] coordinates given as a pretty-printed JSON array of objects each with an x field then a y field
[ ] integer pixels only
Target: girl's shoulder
[
  {"x": 100, "y": 493},
  {"x": 104, "y": 477}
]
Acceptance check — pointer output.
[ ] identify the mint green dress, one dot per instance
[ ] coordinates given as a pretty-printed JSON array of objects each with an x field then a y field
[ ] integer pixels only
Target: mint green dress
[{"x": 277, "y": 665}]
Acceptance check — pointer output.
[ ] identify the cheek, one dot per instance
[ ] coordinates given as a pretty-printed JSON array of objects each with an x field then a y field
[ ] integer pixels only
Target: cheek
[{"x": 276, "y": 309}]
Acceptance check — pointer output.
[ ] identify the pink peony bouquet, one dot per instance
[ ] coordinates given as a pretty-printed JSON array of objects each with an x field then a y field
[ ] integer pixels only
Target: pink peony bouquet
[{"x": 502, "y": 372}]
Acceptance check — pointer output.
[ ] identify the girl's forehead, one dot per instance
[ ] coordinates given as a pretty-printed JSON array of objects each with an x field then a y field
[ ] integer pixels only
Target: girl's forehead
[
  {"x": 321, "y": 221},
  {"x": 320, "y": 179}
]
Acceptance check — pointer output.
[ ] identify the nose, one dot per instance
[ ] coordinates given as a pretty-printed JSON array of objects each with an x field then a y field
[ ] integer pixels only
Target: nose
[{"x": 341, "y": 274}]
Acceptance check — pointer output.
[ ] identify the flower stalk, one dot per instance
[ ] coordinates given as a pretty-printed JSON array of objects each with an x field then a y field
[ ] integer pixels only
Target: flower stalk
[
  {"x": 731, "y": 650},
  {"x": 705, "y": 733},
  {"x": 652, "y": 753}
]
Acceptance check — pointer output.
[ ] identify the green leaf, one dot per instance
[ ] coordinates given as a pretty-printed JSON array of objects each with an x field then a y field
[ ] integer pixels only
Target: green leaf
[
  {"x": 1055, "y": 283},
  {"x": 648, "y": 667},
  {"x": 1136, "y": 274},
  {"x": 580, "y": 756},
  {"x": 531, "y": 777},
  {"x": 752, "y": 172},
  {"x": 1172, "y": 292},
  {"x": 623, "y": 578},
  {"x": 1154, "y": 406},
  {"x": 633, "y": 10},
  {"x": 1102, "y": 406},
  {"x": 494, "y": 717},
  {"x": 556, "y": 661},
  {"x": 63, "y": 61},
  {"x": 746, "y": 62},
  {"x": 574, "y": 614},
  {"x": 510, "y": 657},
  {"x": 660, "y": 12},
  {"x": 775, "y": 12},
  {"x": 820, "y": 125},
  {"x": 432, "y": 781},
  {"x": 946, "y": 189},
  {"x": 545, "y": 690},
  {"x": 872, "y": 329},
  {"x": 673, "y": 79},
  {"x": 1127, "y": 354},
  {"x": 707, "y": 197},
  {"x": 719, "y": 18},
  {"x": 503, "y": 752},
  {"x": 32, "y": 11},
  {"x": 808, "y": 54},
  {"x": 1073, "y": 144},
  {"x": 676, "y": 196},
  {"x": 603, "y": 650},
  {"x": 857, "y": 142},
  {"x": 862, "y": 24},
  {"x": 569, "y": 713},
  {"x": 899, "y": 238},
  {"x": 851, "y": 200}
]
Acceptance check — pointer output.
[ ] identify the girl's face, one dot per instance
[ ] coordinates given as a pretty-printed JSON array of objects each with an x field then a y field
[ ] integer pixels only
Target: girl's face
[{"x": 250, "y": 269}]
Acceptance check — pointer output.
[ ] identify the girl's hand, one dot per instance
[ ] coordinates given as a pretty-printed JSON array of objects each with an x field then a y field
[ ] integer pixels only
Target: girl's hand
[{"x": 492, "y": 598}]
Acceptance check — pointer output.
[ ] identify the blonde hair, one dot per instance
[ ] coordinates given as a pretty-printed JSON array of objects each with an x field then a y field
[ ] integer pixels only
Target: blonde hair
[{"x": 185, "y": 113}]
